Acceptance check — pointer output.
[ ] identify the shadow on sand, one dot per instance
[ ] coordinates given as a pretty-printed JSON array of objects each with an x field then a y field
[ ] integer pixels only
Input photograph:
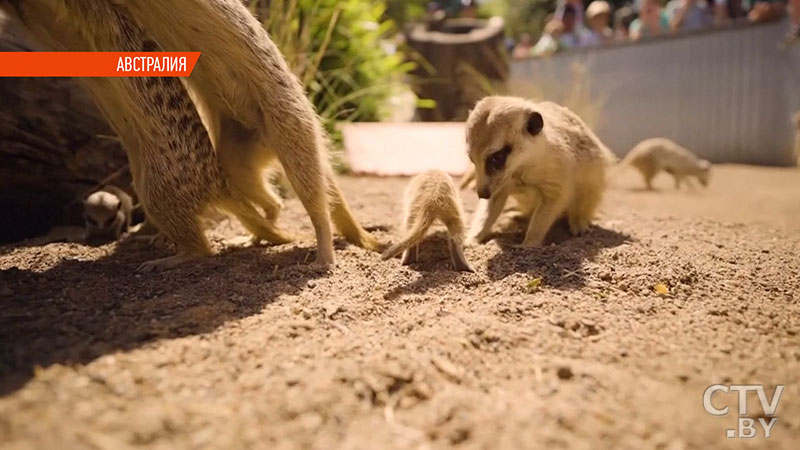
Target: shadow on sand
[
  {"x": 80, "y": 310},
  {"x": 561, "y": 264}
]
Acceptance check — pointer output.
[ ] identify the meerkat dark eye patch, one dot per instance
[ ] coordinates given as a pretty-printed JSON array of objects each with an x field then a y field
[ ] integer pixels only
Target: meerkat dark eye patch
[
  {"x": 497, "y": 160},
  {"x": 535, "y": 124}
]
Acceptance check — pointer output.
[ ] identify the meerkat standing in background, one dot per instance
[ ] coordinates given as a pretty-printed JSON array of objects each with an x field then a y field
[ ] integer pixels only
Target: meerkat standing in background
[
  {"x": 256, "y": 109},
  {"x": 175, "y": 170},
  {"x": 431, "y": 196},
  {"x": 107, "y": 213},
  {"x": 653, "y": 155},
  {"x": 542, "y": 155}
]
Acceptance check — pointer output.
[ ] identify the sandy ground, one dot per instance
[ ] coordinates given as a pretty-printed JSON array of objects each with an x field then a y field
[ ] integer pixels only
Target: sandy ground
[{"x": 255, "y": 349}]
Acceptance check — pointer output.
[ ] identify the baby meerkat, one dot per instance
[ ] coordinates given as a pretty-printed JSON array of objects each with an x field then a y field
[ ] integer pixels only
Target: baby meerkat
[
  {"x": 107, "y": 213},
  {"x": 540, "y": 154},
  {"x": 431, "y": 195},
  {"x": 653, "y": 155}
]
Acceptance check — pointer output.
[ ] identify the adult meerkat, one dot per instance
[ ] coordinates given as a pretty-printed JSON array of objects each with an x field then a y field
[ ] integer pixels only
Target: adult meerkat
[
  {"x": 431, "y": 196},
  {"x": 175, "y": 169},
  {"x": 651, "y": 156},
  {"x": 255, "y": 108},
  {"x": 107, "y": 213},
  {"x": 540, "y": 154}
]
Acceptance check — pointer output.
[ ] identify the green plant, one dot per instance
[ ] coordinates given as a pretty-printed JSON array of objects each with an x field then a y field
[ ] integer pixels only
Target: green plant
[
  {"x": 403, "y": 11},
  {"x": 339, "y": 50}
]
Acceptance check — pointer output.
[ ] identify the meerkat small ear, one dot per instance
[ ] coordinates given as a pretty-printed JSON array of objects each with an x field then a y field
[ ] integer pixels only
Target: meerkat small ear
[{"x": 535, "y": 123}]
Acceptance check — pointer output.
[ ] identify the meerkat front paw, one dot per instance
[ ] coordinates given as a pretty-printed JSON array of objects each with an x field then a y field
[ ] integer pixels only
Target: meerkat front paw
[{"x": 579, "y": 227}]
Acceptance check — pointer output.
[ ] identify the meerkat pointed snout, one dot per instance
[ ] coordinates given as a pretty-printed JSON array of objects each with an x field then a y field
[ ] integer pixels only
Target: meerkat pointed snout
[
  {"x": 542, "y": 155},
  {"x": 431, "y": 196}
]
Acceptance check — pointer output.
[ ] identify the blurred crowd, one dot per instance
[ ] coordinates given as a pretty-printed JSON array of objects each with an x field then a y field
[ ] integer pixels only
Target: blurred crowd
[{"x": 572, "y": 25}]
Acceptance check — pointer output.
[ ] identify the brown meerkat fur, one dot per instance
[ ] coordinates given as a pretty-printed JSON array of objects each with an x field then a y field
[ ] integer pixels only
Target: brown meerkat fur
[
  {"x": 107, "y": 213},
  {"x": 540, "y": 154},
  {"x": 431, "y": 196},
  {"x": 176, "y": 174},
  {"x": 256, "y": 109},
  {"x": 651, "y": 156}
]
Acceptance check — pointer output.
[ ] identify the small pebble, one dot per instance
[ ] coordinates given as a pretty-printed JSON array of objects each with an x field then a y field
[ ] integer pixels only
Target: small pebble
[{"x": 565, "y": 373}]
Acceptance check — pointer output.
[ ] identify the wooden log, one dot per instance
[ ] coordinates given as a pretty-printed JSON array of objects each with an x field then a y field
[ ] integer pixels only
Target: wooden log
[{"x": 465, "y": 55}]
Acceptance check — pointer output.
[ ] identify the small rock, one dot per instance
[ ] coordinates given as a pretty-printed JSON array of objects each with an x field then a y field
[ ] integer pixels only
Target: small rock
[
  {"x": 311, "y": 284},
  {"x": 564, "y": 373},
  {"x": 448, "y": 368},
  {"x": 331, "y": 310}
]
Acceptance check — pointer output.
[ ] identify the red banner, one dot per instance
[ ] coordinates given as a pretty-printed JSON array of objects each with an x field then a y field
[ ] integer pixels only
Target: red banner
[{"x": 97, "y": 64}]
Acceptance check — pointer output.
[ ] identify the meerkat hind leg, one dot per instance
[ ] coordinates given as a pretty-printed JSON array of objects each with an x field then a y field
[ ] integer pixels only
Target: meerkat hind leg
[
  {"x": 307, "y": 177},
  {"x": 261, "y": 228},
  {"x": 678, "y": 180},
  {"x": 581, "y": 212},
  {"x": 240, "y": 153},
  {"x": 410, "y": 255},
  {"x": 457, "y": 257},
  {"x": 455, "y": 229},
  {"x": 187, "y": 234}
]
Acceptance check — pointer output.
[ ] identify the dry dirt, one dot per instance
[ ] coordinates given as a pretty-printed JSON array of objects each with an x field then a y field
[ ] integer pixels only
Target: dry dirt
[{"x": 255, "y": 349}]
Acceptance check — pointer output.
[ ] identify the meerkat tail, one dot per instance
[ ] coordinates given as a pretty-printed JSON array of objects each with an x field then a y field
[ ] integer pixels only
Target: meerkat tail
[
  {"x": 346, "y": 223},
  {"x": 414, "y": 236}
]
